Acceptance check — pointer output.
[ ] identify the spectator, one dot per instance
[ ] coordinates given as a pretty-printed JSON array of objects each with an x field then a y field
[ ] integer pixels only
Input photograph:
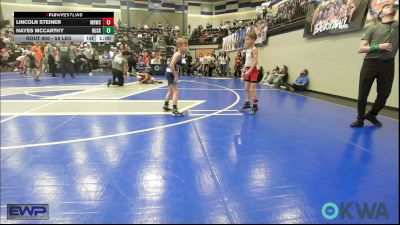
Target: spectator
[
  {"x": 212, "y": 64},
  {"x": 88, "y": 53},
  {"x": 146, "y": 58},
  {"x": 119, "y": 23},
  {"x": 65, "y": 61},
  {"x": 196, "y": 68},
  {"x": 155, "y": 60},
  {"x": 95, "y": 59},
  {"x": 81, "y": 62},
  {"x": 224, "y": 63},
  {"x": 37, "y": 49},
  {"x": 243, "y": 57},
  {"x": 208, "y": 26},
  {"x": 50, "y": 54},
  {"x": 163, "y": 60},
  {"x": 72, "y": 56},
  {"x": 282, "y": 77},
  {"x": 204, "y": 62},
  {"x": 269, "y": 79},
  {"x": 234, "y": 22},
  {"x": 238, "y": 65},
  {"x": 301, "y": 82},
  {"x": 20, "y": 66},
  {"x": 188, "y": 66},
  {"x": 265, "y": 12},
  {"x": 32, "y": 64}
]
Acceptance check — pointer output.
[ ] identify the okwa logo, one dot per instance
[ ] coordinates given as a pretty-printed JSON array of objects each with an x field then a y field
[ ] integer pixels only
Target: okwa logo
[{"x": 351, "y": 210}]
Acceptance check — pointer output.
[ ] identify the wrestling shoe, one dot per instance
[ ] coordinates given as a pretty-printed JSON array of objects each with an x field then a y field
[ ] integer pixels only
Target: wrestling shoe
[
  {"x": 253, "y": 111},
  {"x": 245, "y": 106},
  {"x": 176, "y": 113},
  {"x": 166, "y": 108}
]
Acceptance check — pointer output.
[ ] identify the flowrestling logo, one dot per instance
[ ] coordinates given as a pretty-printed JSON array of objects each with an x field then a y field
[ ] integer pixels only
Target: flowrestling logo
[
  {"x": 352, "y": 210},
  {"x": 27, "y": 212}
]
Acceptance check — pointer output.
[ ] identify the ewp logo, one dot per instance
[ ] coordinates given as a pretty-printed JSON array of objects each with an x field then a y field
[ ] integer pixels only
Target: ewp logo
[
  {"x": 374, "y": 211},
  {"x": 27, "y": 212}
]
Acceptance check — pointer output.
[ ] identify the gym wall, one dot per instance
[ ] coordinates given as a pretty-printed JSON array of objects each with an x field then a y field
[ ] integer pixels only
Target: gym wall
[{"x": 333, "y": 62}]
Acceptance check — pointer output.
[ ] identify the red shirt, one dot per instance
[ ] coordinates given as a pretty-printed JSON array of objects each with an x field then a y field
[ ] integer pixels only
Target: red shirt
[
  {"x": 146, "y": 59},
  {"x": 38, "y": 53}
]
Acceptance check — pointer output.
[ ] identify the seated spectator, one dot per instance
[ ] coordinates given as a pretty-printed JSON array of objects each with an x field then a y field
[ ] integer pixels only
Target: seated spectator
[
  {"x": 301, "y": 82},
  {"x": 204, "y": 61},
  {"x": 196, "y": 68},
  {"x": 155, "y": 60},
  {"x": 282, "y": 77},
  {"x": 146, "y": 58},
  {"x": 163, "y": 60},
  {"x": 269, "y": 79},
  {"x": 81, "y": 62}
]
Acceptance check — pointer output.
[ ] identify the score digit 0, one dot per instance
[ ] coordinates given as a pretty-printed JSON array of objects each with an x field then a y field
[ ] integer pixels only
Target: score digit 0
[
  {"x": 108, "y": 21},
  {"x": 108, "y": 30}
]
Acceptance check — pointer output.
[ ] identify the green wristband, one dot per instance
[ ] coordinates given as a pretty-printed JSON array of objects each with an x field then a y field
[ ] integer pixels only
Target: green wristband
[{"x": 373, "y": 48}]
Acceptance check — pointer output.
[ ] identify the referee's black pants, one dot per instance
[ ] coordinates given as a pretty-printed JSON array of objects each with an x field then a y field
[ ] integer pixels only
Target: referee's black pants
[
  {"x": 383, "y": 72},
  {"x": 66, "y": 66},
  {"x": 119, "y": 76}
]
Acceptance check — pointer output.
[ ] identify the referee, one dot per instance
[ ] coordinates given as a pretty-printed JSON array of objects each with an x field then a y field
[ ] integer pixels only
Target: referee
[
  {"x": 119, "y": 68},
  {"x": 381, "y": 43}
]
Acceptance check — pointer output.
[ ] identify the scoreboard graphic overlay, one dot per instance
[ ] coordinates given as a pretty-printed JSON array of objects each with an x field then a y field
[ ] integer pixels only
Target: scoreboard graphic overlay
[{"x": 64, "y": 26}]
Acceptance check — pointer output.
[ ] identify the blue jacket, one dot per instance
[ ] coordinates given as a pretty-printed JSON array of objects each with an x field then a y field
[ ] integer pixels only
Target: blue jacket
[{"x": 302, "y": 80}]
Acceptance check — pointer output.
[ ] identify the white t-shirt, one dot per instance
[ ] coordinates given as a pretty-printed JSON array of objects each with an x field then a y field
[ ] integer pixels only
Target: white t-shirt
[
  {"x": 88, "y": 52},
  {"x": 223, "y": 60}
]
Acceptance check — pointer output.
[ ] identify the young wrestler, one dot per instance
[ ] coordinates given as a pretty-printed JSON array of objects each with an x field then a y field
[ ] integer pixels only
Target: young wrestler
[
  {"x": 172, "y": 75},
  {"x": 250, "y": 72},
  {"x": 145, "y": 78}
]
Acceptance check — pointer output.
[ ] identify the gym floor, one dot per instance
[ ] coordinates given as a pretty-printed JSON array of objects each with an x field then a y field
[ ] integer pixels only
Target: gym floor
[{"x": 110, "y": 155}]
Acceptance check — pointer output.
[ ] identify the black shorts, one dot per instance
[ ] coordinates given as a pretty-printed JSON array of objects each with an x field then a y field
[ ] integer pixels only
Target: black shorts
[{"x": 170, "y": 79}]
